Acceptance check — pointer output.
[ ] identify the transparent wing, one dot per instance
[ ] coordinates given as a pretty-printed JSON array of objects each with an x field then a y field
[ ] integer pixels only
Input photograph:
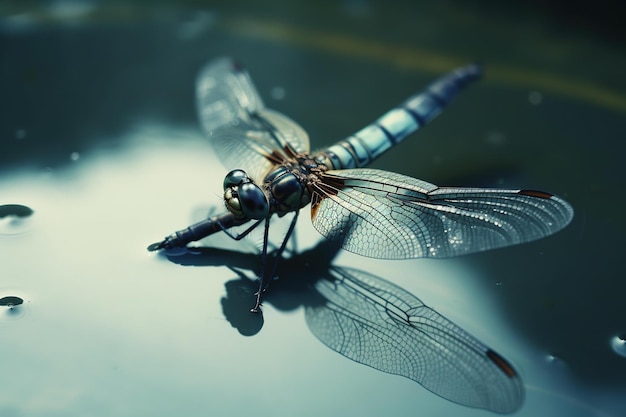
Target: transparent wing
[
  {"x": 385, "y": 215},
  {"x": 243, "y": 133},
  {"x": 376, "y": 323}
]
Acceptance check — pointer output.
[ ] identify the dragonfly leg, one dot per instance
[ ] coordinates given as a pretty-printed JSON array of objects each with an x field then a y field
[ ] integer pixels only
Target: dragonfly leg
[
  {"x": 241, "y": 235},
  {"x": 278, "y": 255},
  {"x": 279, "y": 252},
  {"x": 259, "y": 293}
]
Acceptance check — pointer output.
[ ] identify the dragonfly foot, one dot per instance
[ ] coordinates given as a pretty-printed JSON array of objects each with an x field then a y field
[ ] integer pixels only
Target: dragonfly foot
[
  {"x": 256, "y": 308},
  {"x": 258, "y": 303}
]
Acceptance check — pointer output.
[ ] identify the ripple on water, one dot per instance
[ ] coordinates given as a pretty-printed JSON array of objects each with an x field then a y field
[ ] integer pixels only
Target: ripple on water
[{"x": 15, "y": 219}]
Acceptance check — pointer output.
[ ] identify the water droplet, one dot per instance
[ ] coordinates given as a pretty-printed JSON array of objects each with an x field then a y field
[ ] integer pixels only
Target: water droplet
[
  {"x": 278, "y": 93},
  {"x": 554, "y": 360},
  {"x": 74, "y": 156},
  {"x": 618, "y": 343},
  {"x": 11, "y": 301},
  {"x": 14, "y": 308},
  {"x": 14, "y": 219},
  {"x": 17, "y": 210},
  {"x": 535, "y": 98}
]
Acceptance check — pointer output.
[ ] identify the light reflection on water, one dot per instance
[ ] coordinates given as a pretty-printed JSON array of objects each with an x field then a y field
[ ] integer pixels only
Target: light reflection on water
[{"x": 106, "y": 323}]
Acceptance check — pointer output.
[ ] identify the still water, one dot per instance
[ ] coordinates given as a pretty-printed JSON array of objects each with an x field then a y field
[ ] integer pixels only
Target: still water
[
  {"x": 105, "y": 323},
  {"x": 101, "y": 155}
]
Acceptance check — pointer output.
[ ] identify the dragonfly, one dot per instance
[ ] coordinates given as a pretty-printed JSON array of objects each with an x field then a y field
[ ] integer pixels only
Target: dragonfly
[{"x": 370, "y": 212}]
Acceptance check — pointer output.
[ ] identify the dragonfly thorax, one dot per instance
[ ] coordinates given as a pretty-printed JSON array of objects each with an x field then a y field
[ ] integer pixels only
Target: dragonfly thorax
[
  {"x": 286, "y": 186},
  {"x": 243, "y": 197}
]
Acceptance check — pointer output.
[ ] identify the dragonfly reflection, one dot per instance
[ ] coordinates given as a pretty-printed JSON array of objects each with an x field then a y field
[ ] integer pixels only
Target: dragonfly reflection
[
  {"x": 370, "y": 212},
  {"x": 376, "y": 323}
]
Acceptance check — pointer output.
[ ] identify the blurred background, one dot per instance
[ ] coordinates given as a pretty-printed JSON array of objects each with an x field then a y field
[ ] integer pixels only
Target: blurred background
[{"x": 101, "y": 150}]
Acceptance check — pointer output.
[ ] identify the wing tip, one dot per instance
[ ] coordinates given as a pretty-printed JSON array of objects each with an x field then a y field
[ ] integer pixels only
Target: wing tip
[
  {"x": 502, "y": 364},
  {"x": 566, "y": 209},
  {"x": 537, "y": 194}
]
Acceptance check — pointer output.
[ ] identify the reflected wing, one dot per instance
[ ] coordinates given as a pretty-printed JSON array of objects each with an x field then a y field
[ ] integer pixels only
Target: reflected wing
[
  {"x": 244, "y": 133},
  {"x": 386, "y": 215},
  {"x": 376, "y": 323}
]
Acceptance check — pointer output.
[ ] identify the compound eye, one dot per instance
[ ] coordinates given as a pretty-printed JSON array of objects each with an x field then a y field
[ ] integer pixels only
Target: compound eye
[
  {"x": 234, "y": 178},
  {"x": 232, "y": 203},
  {"x": 253, "y": 201}
]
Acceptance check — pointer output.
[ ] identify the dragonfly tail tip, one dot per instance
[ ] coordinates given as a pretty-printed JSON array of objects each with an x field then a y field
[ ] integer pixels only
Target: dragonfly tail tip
[{"x": 155, "y": 246}]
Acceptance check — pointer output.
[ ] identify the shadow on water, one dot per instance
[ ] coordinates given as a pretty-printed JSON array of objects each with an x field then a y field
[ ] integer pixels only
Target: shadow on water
[{"x": 370, "y": 321}]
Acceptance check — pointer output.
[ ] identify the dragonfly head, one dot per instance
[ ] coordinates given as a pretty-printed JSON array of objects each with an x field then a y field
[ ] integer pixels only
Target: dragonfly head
[{"x": 243, "y": 197}]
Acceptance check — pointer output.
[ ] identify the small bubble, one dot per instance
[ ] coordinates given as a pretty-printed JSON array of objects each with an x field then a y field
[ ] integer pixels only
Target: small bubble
[
  {"x": 535, "y": 98},
  {"x": 278, "y": 93},
  {"x": 618, "y": 343},
  {"x": 499, "y": 284},
  {"x": 14, "y": 219},
  {"x": 74, "y": 156}
]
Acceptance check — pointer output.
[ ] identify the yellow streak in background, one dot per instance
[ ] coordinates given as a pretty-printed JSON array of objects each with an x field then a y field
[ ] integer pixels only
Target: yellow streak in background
[{"x": 422, "y": 60}]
